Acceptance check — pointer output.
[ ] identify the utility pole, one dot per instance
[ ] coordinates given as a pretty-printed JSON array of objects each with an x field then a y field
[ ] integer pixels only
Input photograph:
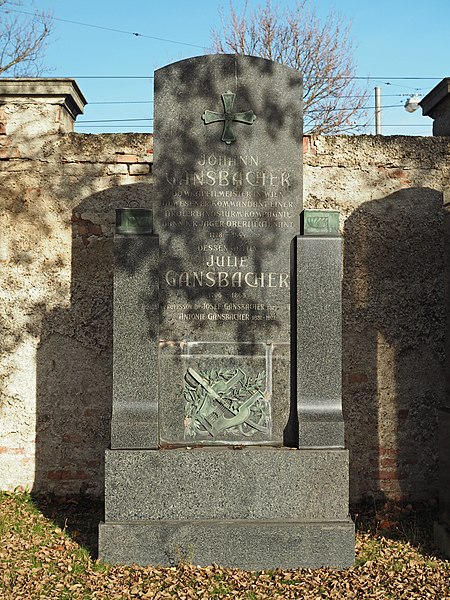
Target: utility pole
[{"x": 377, "y": 111}]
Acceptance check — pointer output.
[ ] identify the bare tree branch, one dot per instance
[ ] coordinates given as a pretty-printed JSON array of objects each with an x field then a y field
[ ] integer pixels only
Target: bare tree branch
[
  {"x": 320, "y": 50},
  {"x": 22, "y": 40}
]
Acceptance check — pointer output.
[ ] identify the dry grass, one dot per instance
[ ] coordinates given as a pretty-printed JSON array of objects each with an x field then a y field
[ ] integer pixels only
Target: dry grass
[{"x": 47, "y": 548}]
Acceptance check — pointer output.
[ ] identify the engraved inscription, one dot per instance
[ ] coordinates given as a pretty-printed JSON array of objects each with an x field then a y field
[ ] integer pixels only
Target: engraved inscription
[
  {"x": 224, "y": 279},
  {"x": 225, "y": 311},
  {"x": 224, "y": 178},
  {"x": 230, "y": 192},
  {"x": 223, "y": 160},
  {"x": 229, "y": 201},
  {"x": 225, "y": 401}
]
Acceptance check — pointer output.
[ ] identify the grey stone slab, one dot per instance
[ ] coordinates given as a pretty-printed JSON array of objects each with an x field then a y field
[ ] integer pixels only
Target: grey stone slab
[
  {"x": 319, "y": 342},
  {"x": 226, "y": 213},
  {"x": 227, "y": 210},
  {"x": 251, "y": 545},
  {"x": 131, "y": 431},
  {"x": 226, "y": 482},
  {"x": 135, "y": 342}
]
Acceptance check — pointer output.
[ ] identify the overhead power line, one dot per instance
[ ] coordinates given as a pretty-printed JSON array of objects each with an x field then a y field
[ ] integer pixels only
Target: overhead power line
[
  {"x": 151, "y": 101},
  {"x": 112, "y": 126},
  {"x": 151, "y": 119},
  {"x": 365, "y": 125},
  {"x": 123, "y": 102},
  {"x": 152, "y": 37},
  {"x": 133, "y": 33},
  {"x": 355, "y": 77},
  {"x": 321, "y": 110},
  {"x": 115, "y": 120},
  {"x": 112, "y": 77},
  {"x": 383, "y": 79},
  {"x": 311, "y": 111},
  {"x": 407, "y": 125}
]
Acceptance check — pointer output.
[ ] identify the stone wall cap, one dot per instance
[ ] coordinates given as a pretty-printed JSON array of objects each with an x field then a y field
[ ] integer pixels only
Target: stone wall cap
[
  {"x": 53, "y": 90},
  {"x": 435, "y": 97}
]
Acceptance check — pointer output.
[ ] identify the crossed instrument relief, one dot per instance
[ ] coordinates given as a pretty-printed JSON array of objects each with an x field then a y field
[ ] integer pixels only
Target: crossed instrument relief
[
  {"x": 228, "y": 117},
  {"x": 225, "y": 402}
]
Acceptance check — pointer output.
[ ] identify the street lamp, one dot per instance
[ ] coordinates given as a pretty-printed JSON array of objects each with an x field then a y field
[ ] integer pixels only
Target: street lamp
[{"x": 412, "y": 104}]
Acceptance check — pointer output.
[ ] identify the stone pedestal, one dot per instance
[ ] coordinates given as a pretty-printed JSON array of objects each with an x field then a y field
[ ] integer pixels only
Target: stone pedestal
[
  {"x": 252, "y": 508},
  {"x": 134, "y": 422},
  {"x": 238, "y": 506},
  {"x": 319, "y": 331},
  {"x": 40, "y": 106}
]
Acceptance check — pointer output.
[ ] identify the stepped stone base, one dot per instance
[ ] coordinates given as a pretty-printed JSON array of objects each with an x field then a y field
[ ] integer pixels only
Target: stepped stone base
[
  {"x": 251, "y": 545},
  {"x": 252, "y": 508}
]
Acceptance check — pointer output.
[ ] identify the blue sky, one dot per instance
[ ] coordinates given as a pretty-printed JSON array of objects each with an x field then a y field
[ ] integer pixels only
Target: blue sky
[{"x": 408, "y": 39}]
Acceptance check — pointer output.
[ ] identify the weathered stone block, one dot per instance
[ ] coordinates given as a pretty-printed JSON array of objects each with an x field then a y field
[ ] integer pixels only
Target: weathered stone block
[
  {"x": 140, "y": 169},
  {"x": 119, "y": 169},
  {"x": 252, "y": 545},
  {"x": 226, "y": 483}
]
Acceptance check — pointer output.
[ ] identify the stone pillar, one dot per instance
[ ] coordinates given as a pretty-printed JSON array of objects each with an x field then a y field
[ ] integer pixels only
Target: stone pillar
[
  {"x": 32, "y": 107},
  {"x": 442, "y": 526},
  {"x": 319, "y": 331},
  {"x": 436, "y": 104},
  {"x": 135, "y": 355}
]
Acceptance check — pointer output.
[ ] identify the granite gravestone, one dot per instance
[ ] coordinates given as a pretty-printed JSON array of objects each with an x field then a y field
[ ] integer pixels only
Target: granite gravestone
[{"x": 227, "y": 434}]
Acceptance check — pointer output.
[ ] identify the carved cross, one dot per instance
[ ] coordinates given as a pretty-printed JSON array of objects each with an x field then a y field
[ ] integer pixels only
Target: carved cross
[{"x": 228, "y": 116}]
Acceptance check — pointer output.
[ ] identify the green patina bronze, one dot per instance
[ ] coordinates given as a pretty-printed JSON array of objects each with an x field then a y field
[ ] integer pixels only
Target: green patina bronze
[
  {"x": 134, "y": 221},
  {"x": 320, "y": 223},
  {"x": 229, "y": 116},
  {"x": 225, "y": 401}
]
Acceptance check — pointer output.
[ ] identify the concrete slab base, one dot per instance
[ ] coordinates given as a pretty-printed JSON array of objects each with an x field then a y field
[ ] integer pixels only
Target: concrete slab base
[{"x": 250, "y": 545}]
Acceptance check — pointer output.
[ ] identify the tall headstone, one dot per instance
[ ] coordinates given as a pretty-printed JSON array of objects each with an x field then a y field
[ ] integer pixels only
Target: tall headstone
[
  {"x": 241, "y": 361},
  {"x": 228, "y": 169}
]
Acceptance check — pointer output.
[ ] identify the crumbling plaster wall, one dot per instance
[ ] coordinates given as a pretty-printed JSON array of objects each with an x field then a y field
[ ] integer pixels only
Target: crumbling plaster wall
[
  {"x": 389, "y": 192},
  {"x": 58, "y": 195}
]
